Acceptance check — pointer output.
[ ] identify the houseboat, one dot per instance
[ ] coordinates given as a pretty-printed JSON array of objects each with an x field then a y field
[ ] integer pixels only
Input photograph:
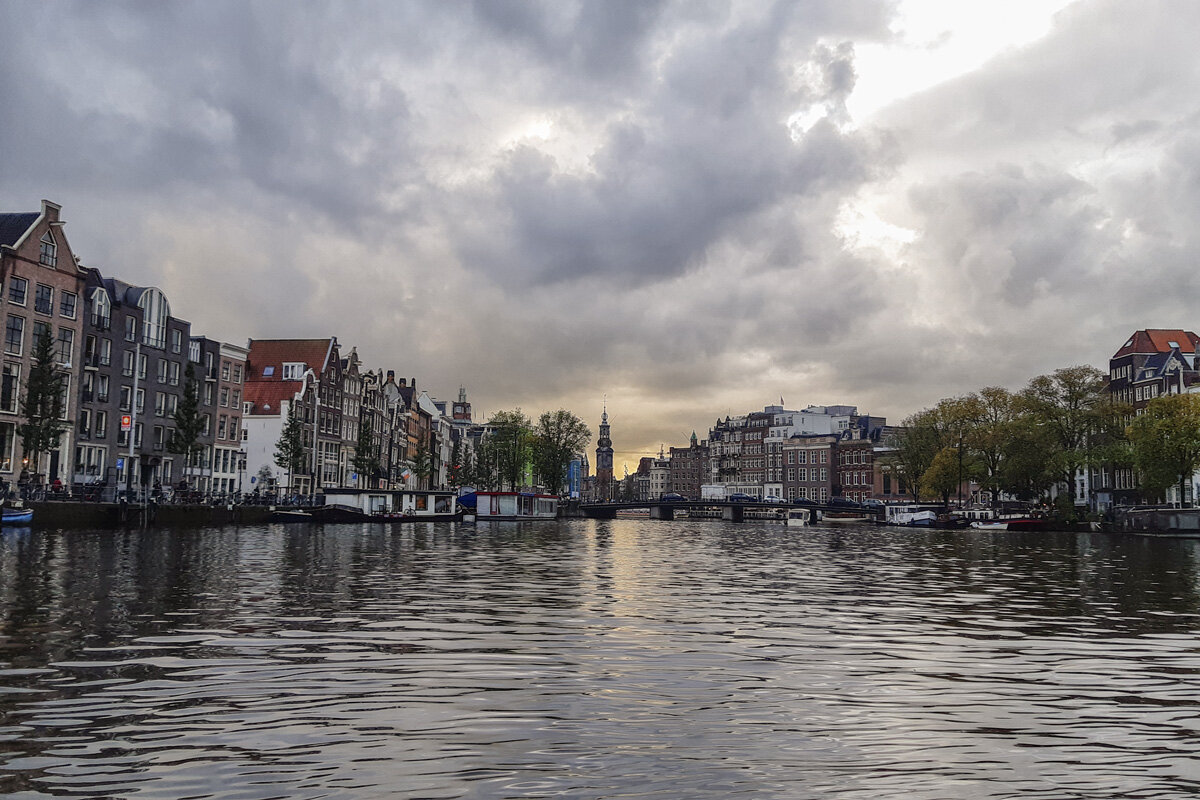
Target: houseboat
[
  {"x": 387, "y": 505},
  {"x": 511, "y": 505}
]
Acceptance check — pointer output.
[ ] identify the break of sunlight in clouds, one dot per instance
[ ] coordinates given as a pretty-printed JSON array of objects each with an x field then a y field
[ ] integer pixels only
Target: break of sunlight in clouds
[{"x": 694, "y": 208}]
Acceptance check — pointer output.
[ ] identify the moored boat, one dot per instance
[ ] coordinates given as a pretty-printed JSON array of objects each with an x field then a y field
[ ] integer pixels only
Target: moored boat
[
  {"x": 16, "y": 516},
  {"x": 798, "y": 517}
]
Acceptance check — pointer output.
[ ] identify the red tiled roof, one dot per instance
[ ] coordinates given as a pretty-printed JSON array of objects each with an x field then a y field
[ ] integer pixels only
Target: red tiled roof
[
  {"x": 1158, "y": 340},
  {"x": 268, "y": 396},
  {"x": 275, "y": 352}
]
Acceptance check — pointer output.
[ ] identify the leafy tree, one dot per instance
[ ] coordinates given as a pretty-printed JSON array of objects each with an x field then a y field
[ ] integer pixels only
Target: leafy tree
[
  {"x": 189, "y": 422},
  {"x": 942, "y": 476},
  {"x": 916, "y": 444},
  {"x": 1026, "y": 472},
  {"x": 422, "y": 463},
  {"x": 1067, "y": 405},
  {"x": 366, "y": 457},
  {"x": 1166, "y": 442},
  {"x": 43, "y": 404},
  {"x": 510, "y": 435},
  {"x": 458, "y": 473},
  {"x": 289, "y": 450},
  {"x": 996, "y": 413},
  {"x": 558, "y": 437}
]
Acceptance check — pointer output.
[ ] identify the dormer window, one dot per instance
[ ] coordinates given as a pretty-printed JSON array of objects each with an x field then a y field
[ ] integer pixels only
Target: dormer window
[
  {"x": 49, "y": 254},
  {"x": 293, "y": 370},
  {"x": 101, "y": 309}
]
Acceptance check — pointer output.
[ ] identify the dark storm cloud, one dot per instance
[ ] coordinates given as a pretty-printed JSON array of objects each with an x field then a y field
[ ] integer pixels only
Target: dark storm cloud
[
  {"x": 551, "y": 201},
  {"x": 706, "y": 147}
]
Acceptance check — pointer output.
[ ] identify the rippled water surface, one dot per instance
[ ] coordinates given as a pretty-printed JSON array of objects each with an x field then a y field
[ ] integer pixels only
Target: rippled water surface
[{"x": 594, "y": 659}]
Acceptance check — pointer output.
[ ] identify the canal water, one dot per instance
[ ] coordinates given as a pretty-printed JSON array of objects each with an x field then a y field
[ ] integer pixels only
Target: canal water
[{"x": 597, "y": 659}]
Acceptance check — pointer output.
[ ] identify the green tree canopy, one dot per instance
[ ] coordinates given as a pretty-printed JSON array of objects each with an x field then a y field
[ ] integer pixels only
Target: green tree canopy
[
  {"x": 1066, "y": 405},
  {"x": 510, "y": 451},
  {"x": 43, "y": 405},
  {"x": 559, "y": 435},
  {"x": 289, "y": 450},
  {"x": 366, "y": 456},
  {"x": 1166, "y": 442},
  {"x": 189, "y": 422}
]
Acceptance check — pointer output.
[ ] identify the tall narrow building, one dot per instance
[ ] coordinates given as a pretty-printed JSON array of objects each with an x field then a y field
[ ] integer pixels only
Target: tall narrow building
[{"x": 604, "y": 461}]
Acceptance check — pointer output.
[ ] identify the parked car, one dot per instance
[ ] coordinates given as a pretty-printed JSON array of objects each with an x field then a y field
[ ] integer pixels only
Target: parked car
[
  {"x": 842, "y": 502},
  {"x": 673, "y": 497},
  {"x": 739, "y": 497},
  {"x": 804, "y": 501},
  {"x": 773, "y": 498}
]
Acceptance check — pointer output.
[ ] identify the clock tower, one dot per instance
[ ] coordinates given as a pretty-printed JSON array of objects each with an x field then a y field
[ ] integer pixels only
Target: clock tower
[{"x": 604, "y": 460}]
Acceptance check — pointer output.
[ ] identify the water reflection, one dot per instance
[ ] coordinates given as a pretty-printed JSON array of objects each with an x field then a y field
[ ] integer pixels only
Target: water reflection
[{"x": 596, "y": 659}]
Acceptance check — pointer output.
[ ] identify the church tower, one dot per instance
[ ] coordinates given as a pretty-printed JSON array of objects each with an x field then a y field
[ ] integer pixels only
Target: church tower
[{"x": 604, "y": 460}]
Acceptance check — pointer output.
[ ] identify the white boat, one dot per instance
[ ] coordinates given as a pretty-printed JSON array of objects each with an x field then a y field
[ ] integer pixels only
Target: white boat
[
  {"x": 911, "y": 516},
  {"x": 799, "y": 517},
  {"x": 990, "y": 525},
  {"x": 844, "y": 517}
]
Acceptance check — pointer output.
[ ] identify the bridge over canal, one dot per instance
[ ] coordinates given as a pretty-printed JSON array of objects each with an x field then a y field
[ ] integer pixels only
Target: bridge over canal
[{"x": 733, "y": 511}]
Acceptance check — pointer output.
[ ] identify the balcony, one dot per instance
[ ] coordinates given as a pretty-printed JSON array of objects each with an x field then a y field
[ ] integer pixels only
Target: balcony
[{"x": 100, "y": 323}]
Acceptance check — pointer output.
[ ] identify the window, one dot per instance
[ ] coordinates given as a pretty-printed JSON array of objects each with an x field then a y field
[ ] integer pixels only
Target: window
[
  {"x": 237, "y": 401},
  {"x": 160, "y": 436},
  {"x": 85, "y": 423},
  {"x": 209, "y": 393},
  {"x": 156, "y": 312},
  {"x": 142, "y": 361},
  {"x": 160, "y": 404},
  {"x": 194, "y": 351},
  {"x": 224, "y": 370},
  {"x": 174, "y": 376},
  {"x": 176, "y": 341},
  {"x": 207, "y": 425},
  {"x": 127, "y": 363},
  {"x": 292, "y": 371},
  {"x": 17, "y": 289},
  {"x": 224, "y": 396},
  {"x": 233, "y": 427},
  {"x": 131, "y": 329},
  {"x": 126, "y": 398},
  {"x": 221, "y": 422},
  {"x": 268, "y": 372},
  {"x": 10, "y": 387},
  {"x": 105, "y": 352},
  {"x": 43, "y": 299},
  {"x": 162, "y": 370},
  {"x": 49, "y": 253},
  {"x": 66, "y": 304},
  {"x": 140, "y": 397},
  {"x": 66, "y": 345},
  {"x": 14, "y": 335},
  {"x": 237, "y": 373},
  {"x": 102, "y": 389},
  {"x": 101, "y": 310},
  {"x": 40, "y": 329}
]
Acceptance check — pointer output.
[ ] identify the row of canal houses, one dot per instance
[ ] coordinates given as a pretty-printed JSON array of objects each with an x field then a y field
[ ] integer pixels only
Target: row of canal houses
[
  {"x": 822, "y": 452},
  {"x": 126, "y": 359}
]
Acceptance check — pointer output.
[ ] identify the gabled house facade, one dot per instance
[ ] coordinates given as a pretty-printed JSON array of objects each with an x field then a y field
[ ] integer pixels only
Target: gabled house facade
[
  {"x": 306, "y": 374},
  {"x": 40, "y": 287}
]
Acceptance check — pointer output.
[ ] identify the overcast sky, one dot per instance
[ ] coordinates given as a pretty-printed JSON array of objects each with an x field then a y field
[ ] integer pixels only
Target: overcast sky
[{"x": 692, "y": 208}]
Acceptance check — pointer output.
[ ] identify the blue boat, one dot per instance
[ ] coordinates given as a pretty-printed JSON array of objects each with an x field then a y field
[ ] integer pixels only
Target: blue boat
[{"x": 16, "y": 516}]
